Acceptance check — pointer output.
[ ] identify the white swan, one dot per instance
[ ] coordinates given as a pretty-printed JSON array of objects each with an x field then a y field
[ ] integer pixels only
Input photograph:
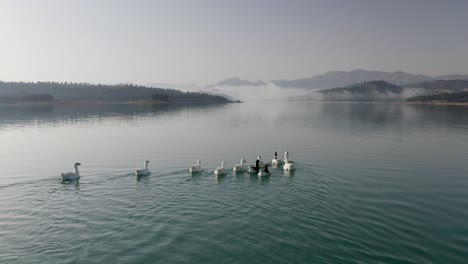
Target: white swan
[
  {"x": 196, "y": 168},
  {"x": 240, "y": 167},
  {"x": 275, "y": 161},
  {"x": 220, "y": 170},
  {"x": 68, "y": 176},
  {"x": 288, "y": 165},
  {"x": 286, "y": 157},
  {"x": 143, "y": 172},
  {"x": 265, "y": 172}
]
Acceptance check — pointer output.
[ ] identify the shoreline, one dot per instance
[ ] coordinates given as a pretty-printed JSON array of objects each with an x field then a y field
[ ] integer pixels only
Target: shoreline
[
  {"x": 98, "y": 102},
  {"x": 434, "y": 103}
]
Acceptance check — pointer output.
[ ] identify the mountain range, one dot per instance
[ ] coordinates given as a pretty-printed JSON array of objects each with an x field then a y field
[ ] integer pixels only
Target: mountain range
[{"x": 334, "y": 79}]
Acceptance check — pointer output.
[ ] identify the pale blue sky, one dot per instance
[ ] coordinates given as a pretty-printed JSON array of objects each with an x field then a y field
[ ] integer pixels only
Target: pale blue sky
[{"x": 205, "y": 41}]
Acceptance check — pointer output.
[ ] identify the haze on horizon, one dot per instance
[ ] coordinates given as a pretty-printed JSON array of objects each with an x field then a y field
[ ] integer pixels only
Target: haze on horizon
[{"x": 206, "y": 41}]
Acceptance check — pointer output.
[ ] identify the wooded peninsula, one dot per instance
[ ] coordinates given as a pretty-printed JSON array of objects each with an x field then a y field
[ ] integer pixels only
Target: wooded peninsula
[{"x": 69, "y": 92}]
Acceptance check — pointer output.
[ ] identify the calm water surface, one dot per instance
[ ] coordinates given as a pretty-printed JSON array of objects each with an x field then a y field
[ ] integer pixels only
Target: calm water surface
[{"x": 375, "y": 183}]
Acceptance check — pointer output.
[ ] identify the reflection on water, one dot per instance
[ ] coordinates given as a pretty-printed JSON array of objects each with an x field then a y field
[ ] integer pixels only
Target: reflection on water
[
  {"x": 61, "y": 114},
  {"x": 383, "y": 115},
  {"x": 378, "y": 114},
  {"x": 450, "y": 115},
  {"x": 69, "y": 185},
  {"x": 370, "y": 115}
]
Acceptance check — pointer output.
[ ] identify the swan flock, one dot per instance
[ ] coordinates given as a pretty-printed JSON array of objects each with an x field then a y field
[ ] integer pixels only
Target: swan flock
[{"x": 260, "y": 168}]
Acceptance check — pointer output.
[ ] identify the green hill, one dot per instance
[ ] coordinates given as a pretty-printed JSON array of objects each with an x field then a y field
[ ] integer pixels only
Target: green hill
[
  {"x": 461, "y": 97},
  {"x": 367, "y": 91},
  {"x": 68, "y": 92}
]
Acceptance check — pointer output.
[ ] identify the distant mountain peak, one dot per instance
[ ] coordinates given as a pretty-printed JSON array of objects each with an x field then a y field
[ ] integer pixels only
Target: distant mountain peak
[
  {"x": 236, "y": 81},
  {"x": 233, "y": 79}
]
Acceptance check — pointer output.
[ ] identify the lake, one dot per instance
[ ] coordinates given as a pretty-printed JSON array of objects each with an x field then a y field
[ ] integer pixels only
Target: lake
[{"x": 375, "y": 183}]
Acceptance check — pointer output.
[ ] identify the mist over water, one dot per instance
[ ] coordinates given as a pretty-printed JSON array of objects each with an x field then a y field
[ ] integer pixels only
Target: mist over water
[
  {"x": 272, "y": 92},
  {"x": 269, "y": 92}
]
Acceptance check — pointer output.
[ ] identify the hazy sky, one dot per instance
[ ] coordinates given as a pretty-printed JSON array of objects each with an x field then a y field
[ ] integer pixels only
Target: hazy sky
[{"x": 205, "y": 41}]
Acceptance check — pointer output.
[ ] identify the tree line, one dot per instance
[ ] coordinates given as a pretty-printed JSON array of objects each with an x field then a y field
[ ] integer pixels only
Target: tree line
[{"x": 70, "y": 91}]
